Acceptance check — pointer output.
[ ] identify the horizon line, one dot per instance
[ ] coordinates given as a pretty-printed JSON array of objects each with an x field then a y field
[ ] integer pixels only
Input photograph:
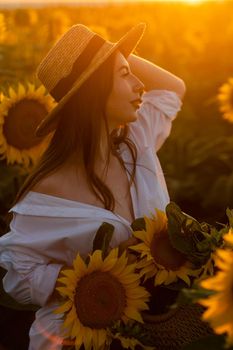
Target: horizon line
[{"x": 46, "y": 3}]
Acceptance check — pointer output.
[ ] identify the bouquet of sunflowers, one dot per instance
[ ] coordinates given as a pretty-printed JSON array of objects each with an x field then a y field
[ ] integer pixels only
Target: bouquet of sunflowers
[{"x": 158, "y": 300}]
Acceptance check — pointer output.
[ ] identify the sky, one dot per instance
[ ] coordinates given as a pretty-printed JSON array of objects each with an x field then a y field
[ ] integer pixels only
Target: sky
[
  {"x": 21, "y": 2},
  {"x": 4, "y": 4}
]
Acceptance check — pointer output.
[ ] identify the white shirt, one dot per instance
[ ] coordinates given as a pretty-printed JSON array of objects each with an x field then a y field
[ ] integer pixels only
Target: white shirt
[{"x": 47, "y": 232}]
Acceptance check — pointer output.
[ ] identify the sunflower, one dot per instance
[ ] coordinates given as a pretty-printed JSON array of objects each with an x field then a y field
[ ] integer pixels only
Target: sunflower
[
  {"x": 208, "y": 269},
  {"x": 158, "y": 257},
  {"x": 97, "y": 294},
  {"x": 20, "y": 114},
  {"x": 219, "y": 312},
  {"x": 225, "y": 99}
]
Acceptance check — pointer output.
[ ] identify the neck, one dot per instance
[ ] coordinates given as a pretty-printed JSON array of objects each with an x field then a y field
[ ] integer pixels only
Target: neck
[
  {"x": 102, "y": 154},
  {"x": 104, "y": 143},
  {"x": 104, "y": 158}
]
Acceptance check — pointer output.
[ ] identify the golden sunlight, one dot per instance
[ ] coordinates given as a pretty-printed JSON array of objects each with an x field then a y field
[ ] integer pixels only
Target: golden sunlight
[
  {"x": 184, "y": 1},
  {"x": 174, "y": 1},
  {"x": 194, "y": 1},
  {"x": 32, "y": 2}
]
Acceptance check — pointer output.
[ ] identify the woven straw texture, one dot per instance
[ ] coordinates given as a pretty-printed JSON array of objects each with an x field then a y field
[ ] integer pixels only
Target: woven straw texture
[
  {"x": 59, "y": 61},
  {"x": 177, "y": 328},
  {"x": 174, "y": 329},
  {"x": 71, "y": 45}
]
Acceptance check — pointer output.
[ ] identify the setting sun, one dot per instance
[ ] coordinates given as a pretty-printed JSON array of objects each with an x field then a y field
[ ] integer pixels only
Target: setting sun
[{"x": 193, "y": 1}]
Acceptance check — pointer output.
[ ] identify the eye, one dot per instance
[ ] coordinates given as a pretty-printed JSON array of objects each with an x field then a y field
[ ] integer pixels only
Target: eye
[{"x": 124, "y": 75}]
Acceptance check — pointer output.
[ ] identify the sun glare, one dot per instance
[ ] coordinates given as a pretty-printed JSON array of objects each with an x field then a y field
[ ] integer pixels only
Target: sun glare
[
  {"x": 189, "y": 1},
  {"x": 184, "y": 1},
  {"x": 193, "y": 1}
]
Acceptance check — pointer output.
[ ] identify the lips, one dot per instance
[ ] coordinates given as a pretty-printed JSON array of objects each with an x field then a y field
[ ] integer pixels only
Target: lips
[{"x": 136, "y": 103}]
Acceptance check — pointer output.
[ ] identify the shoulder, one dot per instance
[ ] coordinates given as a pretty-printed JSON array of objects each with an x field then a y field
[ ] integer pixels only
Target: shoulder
[{"x": 67, "y": 183}]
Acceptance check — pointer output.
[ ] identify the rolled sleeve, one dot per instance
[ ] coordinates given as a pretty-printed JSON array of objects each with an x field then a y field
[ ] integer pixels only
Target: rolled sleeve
[
  {"x": 155, "y": 115},
  {"x": 29, "y": 283},
  {"x": 30, "y": 273},
  {"x": 42, "y": 282}
]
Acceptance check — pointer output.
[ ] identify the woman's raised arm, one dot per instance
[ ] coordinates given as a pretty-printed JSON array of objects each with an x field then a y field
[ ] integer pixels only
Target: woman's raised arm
[{"x": 155, "y": 77}]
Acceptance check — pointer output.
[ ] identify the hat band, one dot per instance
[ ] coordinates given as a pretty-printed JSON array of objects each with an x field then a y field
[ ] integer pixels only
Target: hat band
[{"x": 83, "y": 60}]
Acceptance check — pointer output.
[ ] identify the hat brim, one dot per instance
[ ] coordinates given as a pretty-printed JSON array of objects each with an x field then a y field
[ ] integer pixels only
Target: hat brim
[{"x": 126, "y": 45}]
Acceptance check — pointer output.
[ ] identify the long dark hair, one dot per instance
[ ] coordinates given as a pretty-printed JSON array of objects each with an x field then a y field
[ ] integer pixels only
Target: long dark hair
[{"x": 79, "y": 132}]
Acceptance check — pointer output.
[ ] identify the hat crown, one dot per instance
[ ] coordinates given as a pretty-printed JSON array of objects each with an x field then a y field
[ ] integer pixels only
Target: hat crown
[
  {"x": 73, "y": 59},
  {"x": 55, "y": 64}
]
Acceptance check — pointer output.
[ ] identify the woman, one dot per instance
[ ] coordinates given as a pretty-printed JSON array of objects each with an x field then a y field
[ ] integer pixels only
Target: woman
[{"x": 114, "y": 112}]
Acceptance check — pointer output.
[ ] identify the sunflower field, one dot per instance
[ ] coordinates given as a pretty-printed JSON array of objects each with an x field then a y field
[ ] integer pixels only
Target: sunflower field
[{"x": 194, "y": 42}]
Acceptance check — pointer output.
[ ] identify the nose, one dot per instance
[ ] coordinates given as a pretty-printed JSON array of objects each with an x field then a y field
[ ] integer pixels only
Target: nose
[{"x": 139, "y": 86}]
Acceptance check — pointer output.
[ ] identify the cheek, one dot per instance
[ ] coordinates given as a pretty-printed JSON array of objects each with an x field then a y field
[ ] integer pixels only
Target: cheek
[
  {"x": 115, "y": 103},
  {"x": 118, "y": 100},
  {"x": 120, "y": 90},
  {"x": 117, "y": 107}
]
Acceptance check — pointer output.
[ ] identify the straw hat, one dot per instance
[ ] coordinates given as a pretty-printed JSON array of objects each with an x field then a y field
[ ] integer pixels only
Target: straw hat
[{"x": 72, "y": 60}]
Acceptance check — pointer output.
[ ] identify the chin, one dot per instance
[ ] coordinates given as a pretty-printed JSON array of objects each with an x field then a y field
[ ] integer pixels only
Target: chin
[
  {"x": 128, "y": 119},
  {"x": 133, "y": 118}
]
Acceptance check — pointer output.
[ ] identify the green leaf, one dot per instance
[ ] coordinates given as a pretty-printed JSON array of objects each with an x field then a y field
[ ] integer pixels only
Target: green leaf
[
  {"x": 179, "y": 228},
  {"x": 216, "y": 235},
  {"x": 192, "y": 295},
  {"x": 138, "y": 224},
  {"x": 229, "y": 213},
  {"x": 103, "y": 237},
  {"x": 134, "y": 329},
  {"x": 188, "y": 236}
]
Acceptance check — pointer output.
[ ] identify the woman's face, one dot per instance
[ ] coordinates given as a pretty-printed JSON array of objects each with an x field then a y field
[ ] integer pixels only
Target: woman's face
[{"x": 126, "y": 88}]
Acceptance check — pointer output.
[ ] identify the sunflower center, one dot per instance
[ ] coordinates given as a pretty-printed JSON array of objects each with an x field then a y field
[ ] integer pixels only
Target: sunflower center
[
  {"x": 21, "y": 122},
  {"x": 164, "y": 253},
  {"x": 100, "y": 299}
]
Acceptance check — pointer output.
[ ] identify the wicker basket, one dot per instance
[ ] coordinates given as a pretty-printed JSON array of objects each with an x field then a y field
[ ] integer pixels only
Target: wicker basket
[
  {"x": 171, "y": 329},
  {"x": 174, "y": 329},
  {"x": 178, "y": 327}
]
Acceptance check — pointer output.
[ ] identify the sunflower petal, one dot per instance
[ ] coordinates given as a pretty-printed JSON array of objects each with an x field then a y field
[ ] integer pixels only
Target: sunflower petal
[
  {"x": 96, "y": 261},
  {"x": 63, "y": 308},
  {"x": 65, "y": 291},
  {"x": 70, "y": 274},
  {"x": 184, "y": 277},
  {"x": 87, "y": 338},
  {"x": 133, "y": 314},
  {"x": 76, "y": 329},
  {"x": 160, "y": 277},
  {"x": 41, "y": 90},
  {"x": 21, "y": 90},
  {"x": 79, "y": 265},
  {"x": 137, "y": 293},
  {"x": 12, "y": 93}
]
